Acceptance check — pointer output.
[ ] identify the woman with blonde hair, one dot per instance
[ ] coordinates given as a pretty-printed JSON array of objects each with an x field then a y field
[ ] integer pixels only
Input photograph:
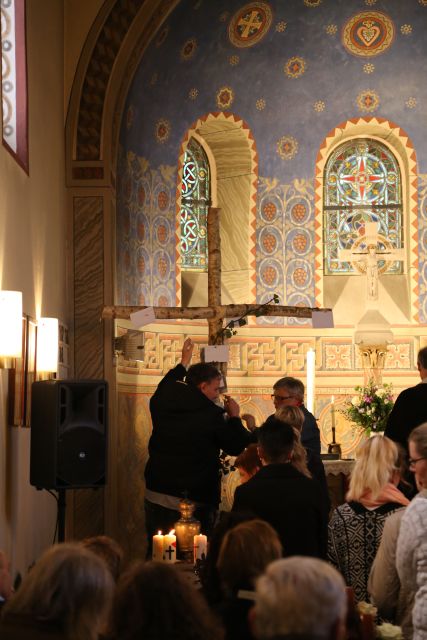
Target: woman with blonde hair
[
  {"x": 66, "y": 596},
  {"x": 355, "y": 528}
]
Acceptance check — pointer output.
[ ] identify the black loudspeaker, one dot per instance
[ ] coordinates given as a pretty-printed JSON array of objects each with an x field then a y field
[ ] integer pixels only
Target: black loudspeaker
[{"x": 68, "y": 434}]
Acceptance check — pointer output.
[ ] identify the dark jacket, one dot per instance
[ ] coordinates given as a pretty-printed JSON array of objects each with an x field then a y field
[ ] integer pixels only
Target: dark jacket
[
  {"x": 23, "y": 627},
  {"x": 189, "y": 430},
  {"x": 409, "y": 411},
  {"x": 310, "y": 434},
  {"x": 291, "y": 503}
]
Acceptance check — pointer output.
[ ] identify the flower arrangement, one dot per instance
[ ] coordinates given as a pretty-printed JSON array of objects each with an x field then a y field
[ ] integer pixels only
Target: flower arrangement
[{"x": 370, "y": 408}]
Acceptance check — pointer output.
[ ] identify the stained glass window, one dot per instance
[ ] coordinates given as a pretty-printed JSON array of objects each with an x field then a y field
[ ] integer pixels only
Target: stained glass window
[
  {"x": 195, "y": 201},
  {"x": 362, "y": 184},
  {"x": 14, "y": 80}
]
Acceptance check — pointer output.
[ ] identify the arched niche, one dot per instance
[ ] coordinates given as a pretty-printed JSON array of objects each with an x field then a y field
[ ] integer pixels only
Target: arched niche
[
  {"x": 230, "y": 148},
  {"x": 398, "y": 294}
]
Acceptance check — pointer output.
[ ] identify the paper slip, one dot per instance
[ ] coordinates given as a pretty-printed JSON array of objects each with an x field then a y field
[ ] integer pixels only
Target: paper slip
[{"x": 140, "y": 318}]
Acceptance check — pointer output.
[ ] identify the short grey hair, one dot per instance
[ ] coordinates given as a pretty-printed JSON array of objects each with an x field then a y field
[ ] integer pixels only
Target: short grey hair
[
  {"x": 299, "y": 595},
  {"x": 293, "y": 386}
]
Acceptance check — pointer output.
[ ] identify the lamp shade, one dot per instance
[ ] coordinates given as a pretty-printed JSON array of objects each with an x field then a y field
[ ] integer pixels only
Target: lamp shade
[
  {"x": 47, "y": 344},
  {"x": 10, "y": 324}
]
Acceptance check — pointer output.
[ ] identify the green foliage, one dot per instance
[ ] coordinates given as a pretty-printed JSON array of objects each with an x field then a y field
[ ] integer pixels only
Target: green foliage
[
  {"x": 229, "y": 331},
  {"x": 370, "y": 408}
]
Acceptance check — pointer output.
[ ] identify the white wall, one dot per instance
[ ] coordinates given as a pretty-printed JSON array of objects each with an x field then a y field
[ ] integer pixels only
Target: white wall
[{"x": 32, "y": 260}]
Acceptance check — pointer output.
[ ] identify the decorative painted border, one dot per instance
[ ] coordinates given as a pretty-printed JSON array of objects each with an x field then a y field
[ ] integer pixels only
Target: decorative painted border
[
  {"x": 193, "y": 130},
  {"x": 394, "y": 136}
]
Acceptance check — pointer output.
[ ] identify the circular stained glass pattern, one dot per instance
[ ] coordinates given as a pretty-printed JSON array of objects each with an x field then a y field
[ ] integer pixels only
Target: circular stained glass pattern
[
  {"x": 368, "y": 33},
  {"x": 287, "y": 147},
  {"x": 189, "y": 177},
  {"x": 250, "y": 24}
]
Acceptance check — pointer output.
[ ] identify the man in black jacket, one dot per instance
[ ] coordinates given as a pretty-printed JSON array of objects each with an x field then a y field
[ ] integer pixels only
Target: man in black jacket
[
  {"x": 282, "y": 496},
  {"x": 410, "y": 409},
  {"x": 189, "y": 431}
]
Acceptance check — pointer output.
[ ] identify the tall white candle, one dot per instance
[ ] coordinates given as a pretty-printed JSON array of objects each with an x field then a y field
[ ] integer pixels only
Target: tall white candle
[
  {"x": 333, "y": 412},
  {"x": 311, "y": 366},
  {"x": 169, "y": 546},
  {"x": 200, "y": 547},
  {"x": 158, "y": 541}
]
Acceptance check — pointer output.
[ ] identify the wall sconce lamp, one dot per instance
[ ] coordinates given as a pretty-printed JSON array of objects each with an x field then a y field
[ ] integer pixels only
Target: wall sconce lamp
[
  {"x": 11, "y": 334},
  {"x": 47, "y": 345}
]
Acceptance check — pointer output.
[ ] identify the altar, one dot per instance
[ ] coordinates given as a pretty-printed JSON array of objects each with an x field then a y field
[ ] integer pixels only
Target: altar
[{"x": 337, "y": 475}]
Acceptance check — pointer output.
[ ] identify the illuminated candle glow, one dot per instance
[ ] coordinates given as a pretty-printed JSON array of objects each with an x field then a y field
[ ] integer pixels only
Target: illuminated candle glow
[
  {"x": 169, "y": 547},
  {"x": 158, "y": 541},
  {"x": 200, "y": 547}
]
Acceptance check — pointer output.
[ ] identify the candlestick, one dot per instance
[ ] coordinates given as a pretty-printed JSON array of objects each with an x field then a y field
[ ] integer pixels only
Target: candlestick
[
  {"x": 311, "y": 366},
  {"x": 200, "y": 547},
  {"x": 333, "y": 418},
  {"x": 169, "y": 547},
  {"x": 158, "y": 543}
]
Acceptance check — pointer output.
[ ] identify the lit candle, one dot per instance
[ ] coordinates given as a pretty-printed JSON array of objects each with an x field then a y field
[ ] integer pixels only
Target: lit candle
[
  {"x": 333, "y": 418},
  {"x": 200, "y": 547},
  {"x": 169, "y": 546},
  {"x": 311, "y": 366},
  {"x": 158, "y": 542}
]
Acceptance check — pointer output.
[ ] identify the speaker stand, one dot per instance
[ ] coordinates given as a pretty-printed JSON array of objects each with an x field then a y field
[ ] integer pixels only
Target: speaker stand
[{"x": 61, "y": 515}]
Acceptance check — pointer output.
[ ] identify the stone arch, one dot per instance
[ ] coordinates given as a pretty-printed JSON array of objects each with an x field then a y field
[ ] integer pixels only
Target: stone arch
[
  {"x": 400, "y": 144},
  {"x": 231, "y": 150}
]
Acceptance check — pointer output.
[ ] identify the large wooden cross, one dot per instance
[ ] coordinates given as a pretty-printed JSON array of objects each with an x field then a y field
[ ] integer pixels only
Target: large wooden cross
[{"x": 215, "y": 313}]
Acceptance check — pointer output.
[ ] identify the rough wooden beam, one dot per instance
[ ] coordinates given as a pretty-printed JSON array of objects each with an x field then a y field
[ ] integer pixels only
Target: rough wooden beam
[{"x": 206, "y": 313}]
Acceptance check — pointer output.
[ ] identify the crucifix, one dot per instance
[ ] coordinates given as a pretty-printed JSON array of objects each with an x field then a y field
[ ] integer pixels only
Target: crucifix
[
  {"x": 215, "y": 312},
  {"x": 366, "y": 254}
]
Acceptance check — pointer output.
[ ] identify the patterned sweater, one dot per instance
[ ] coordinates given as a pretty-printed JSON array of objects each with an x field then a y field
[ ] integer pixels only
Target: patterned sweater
[
  {"x": 354, "y": 534},
  {"x": 411, "y": 561}
]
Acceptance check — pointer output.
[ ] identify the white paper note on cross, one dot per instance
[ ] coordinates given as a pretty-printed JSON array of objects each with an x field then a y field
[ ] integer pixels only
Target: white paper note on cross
[{"x": 366, "y": 259}]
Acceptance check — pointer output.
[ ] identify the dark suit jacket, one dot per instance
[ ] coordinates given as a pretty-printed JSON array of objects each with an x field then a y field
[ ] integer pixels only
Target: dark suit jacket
[
  {"x": 409, "y": 411},
  {"x": 291, "y": 503},
  {"x": 189, "y": 430}
]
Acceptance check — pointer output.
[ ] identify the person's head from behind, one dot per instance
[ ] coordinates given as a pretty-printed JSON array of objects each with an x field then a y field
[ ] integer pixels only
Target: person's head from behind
[
  {"x": 292, "y": 415},
  {"x": 107, "y": 549},
  {"x": 248, "y": 463},
  {"x": 422, "y": 362},
  {"x": 154, "y": 600},
  {"x": 417, "y": 443},
  {"x": 245, "y": 552},
  {"x": 377, "y": 464},
  {"x": 276, "y": 441},
  {"x": 206, "y": 378},
  {"x": 69, "y": 587},
  {"x": 300, "y": 595},
  {"x": 5, "y": 577},
  {"x": 288, "y": 392}
]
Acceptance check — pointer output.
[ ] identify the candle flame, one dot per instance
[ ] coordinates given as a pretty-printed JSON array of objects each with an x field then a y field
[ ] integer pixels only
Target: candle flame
[
  {"x": 172, "y": 532},
  {"x": 332, "y": 399},
  {"x": 159, "y": 533}
]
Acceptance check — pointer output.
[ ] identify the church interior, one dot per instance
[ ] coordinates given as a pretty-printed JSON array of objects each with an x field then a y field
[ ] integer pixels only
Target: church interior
[{"x": 302, "y": 123}]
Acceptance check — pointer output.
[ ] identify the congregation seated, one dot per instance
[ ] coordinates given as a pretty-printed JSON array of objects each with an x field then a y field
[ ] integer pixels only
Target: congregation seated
[
  {"x": 356, "y": 526},
  {"x": 66, "y": 595},
  {"x": 299, "y": 598},
  {"x": 245, "y": 552},
  {"x": 154, "y": 601},
  {"x": 283, "y": 496},
  {"x": 107, "y": 549}
]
